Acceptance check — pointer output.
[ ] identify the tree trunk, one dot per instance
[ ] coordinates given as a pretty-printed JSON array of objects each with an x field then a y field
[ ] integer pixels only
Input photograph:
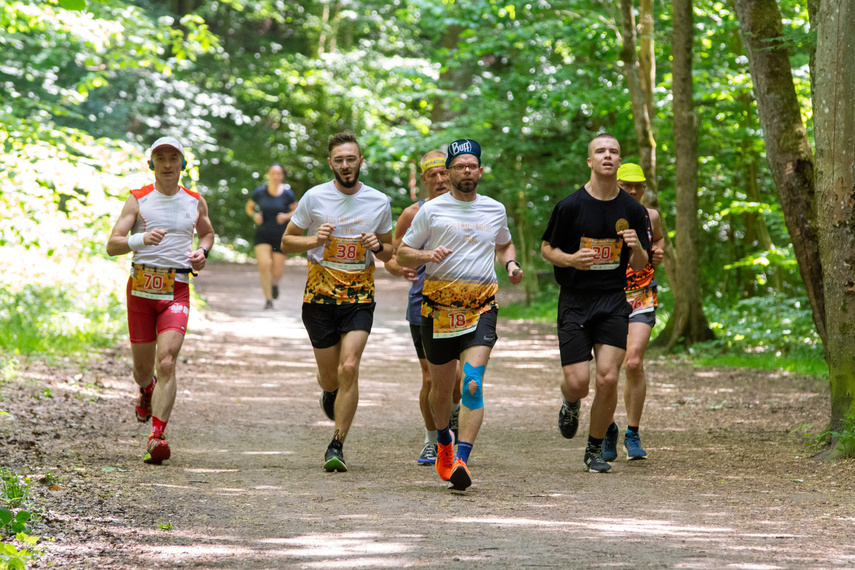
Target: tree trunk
[
  {"x": 449, "y": 77},
  {"x": 639, "y": 74},
  {"x": 688, "y": 322},
  {"x": 787, "y": 149},
  {"x": 834, "y": 123}
]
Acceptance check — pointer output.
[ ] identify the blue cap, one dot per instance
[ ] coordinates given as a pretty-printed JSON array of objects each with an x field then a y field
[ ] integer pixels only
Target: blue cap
[{"x": 462, "y": 146}]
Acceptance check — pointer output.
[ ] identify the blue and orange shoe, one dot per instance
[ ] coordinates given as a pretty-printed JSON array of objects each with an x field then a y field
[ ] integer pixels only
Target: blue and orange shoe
[
  {"x": 143, "y": 407},
  {"x": 460, "y": 478},
  {"x": 158, "y": 450}
]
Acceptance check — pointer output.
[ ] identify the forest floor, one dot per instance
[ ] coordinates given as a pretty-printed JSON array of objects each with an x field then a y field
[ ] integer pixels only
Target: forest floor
[{"x": 729, "y": 483}]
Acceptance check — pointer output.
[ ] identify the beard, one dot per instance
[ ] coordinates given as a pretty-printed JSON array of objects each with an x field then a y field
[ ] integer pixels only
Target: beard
[
  {"x": 352, "y": 183},
  {"x": 465, "y": 186}
]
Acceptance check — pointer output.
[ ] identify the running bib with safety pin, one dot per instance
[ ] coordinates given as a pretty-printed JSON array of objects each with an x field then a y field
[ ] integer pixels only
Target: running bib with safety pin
[
  {"x": 345, "y": 254},
  {"x": 641, "y": 300},
  {"x": 606, "y": 252},
  {"x": 153, "y": 282},
  {"x": 450, "y": 322}
]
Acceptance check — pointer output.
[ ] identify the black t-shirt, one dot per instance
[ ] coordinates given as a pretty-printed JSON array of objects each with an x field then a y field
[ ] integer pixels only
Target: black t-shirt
[
  {"x": 580, "y": 217},
  {"x": 272, "y": 205}
]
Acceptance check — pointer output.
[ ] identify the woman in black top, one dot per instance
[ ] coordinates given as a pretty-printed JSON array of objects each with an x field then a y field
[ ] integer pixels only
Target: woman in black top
[{"x": 271, "y": 206}]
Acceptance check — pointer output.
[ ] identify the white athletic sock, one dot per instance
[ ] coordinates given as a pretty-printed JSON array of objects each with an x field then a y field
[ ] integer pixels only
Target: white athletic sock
[{"x": 430, "y": 436}]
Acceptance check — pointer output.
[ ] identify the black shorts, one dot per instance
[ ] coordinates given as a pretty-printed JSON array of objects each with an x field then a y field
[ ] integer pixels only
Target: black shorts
[
  {"x": 648, "y": 318},
  {"x": 442, "y": 350},
  {"x": 416, "y": 333},
  {"x": 271, "y": 238},
  {"x": 326, "y": 323},
  {"x": 586, "y": 319}
]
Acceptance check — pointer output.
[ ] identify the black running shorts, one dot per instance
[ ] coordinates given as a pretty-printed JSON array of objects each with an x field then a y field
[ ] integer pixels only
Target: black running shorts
[
  {"x": 326, "y": 323},
  {"x": 416, "y": 333},
  {"x": 586, "y": 319},
  {"x": 442, "y": 350}
]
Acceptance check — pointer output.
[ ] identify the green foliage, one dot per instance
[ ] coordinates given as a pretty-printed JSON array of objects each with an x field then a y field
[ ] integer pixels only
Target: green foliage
[
  {"x": 57, "y": 319},
  {"x": 165, "y": 526},
  {"x": 11, "y": 558},
  {"x": 771, "y": 332},
  {"x": 14, "y": 489},
  {"x": 846, "y": 437}
]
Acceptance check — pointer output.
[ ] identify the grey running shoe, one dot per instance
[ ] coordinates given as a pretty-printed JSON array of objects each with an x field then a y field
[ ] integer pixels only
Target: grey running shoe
[
  {"x": 334, "y": 457},
  {"x": 610, "y": 443},
  {"x": 594, "y": 461},
  {"x": 328, "y": 403},
  {"x": 275, "y": 291},
  {"x": 428, "y": 456},
  {"x": 632, "y": 444},
  {"x": 453, "y": 422},
  {"x": 568, "y": 419},
  {"x": 268, "y": 305}
]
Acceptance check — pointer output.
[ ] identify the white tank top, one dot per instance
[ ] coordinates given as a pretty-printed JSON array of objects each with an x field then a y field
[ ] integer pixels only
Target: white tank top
[{"x": 177, "y": 215}]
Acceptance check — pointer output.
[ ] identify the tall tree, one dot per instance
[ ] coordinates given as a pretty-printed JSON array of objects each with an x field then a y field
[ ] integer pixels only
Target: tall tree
[
  {"x": 834, "y": 123},
  {"x": 787, "y": 148},
  {"x": 639, "y": 70},
  {"x": 688, "y": 322}
]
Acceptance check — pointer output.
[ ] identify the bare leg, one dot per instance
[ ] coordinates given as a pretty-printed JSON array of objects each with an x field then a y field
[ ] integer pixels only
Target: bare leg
[
  {"x": 635, "y": 389},
  {"x": 424, "y": 396},
  {"x": 470, "y": 420},
  {"x": 344, "y": 358},
  {"x": 143, "y": 356},
  {"x": 609, "y": 359},
  {"x": 168, "y": 346},
  {"x": 278, "y": 267},
  {"x": 264, "y": 256}
]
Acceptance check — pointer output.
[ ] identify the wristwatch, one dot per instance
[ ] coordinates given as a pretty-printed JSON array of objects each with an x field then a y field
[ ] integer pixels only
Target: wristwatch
[
  {"x": 376, "y": 251},
  {"x": 511, "y": 261},
  {"x": 204, "y": 250}
]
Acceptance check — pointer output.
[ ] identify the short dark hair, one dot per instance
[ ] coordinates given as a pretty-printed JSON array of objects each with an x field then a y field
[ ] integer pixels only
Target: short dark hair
[
  {"x": 344, "y": 137},
  {"x": 602, "y": 136}
]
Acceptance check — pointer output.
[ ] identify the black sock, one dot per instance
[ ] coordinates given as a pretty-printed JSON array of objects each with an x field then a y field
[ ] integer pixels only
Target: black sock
[
  {"x": 633, "y": 429},
  {"x": 595, "y": 443}
]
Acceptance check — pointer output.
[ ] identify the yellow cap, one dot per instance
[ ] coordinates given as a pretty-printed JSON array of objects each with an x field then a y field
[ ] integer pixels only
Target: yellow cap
[{"x": 629, "y": 172}]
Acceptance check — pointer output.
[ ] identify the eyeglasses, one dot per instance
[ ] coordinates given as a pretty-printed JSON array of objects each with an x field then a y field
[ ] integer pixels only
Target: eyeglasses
[
  {"x": 350, "y": 160},
  {"x": 462, "y": 167}
]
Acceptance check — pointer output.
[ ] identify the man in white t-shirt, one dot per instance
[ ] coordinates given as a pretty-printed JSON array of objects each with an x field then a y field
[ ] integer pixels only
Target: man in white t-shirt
[
  {"x": 462, "y": 233},
  {"x": 347, "y": 223},
  {"x": 161, "y": 218}
]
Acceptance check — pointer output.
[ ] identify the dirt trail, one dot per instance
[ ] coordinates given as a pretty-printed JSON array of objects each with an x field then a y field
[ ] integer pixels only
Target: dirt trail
[{"x": 726, "y": 484}]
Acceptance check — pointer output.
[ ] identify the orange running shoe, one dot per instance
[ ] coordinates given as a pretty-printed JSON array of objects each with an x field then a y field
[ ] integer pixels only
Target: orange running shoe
[
  {"x": 144, "y": 406},
  {"x": 460, "y": 478},
  {"x": 158, "y": 451},
  {"x": 445, "y": 459}
]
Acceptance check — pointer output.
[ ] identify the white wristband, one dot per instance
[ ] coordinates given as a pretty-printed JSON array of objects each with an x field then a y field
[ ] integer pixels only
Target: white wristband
[{"x": 136, "y": 241}]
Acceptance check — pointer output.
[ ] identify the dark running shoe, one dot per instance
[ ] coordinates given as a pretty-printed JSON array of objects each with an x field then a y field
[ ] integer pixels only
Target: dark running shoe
[
  {"x": 268, "y": 305},
  {"x": 157, "y": 452},
  {"x": 632, "y": 444},
  {"x": 460, "y": 478},
  {"x": 328, "y": 403},
  {"x": 334, "y": 457},
  {"x": 143, "y": 407},
  {"x": 275, "y": 291},
  {"x": 594, "y": 461},
  {"x": 610, "y": 443},
  {"x": 568, "y": 419},
  {"x": 428, "y": 456}
]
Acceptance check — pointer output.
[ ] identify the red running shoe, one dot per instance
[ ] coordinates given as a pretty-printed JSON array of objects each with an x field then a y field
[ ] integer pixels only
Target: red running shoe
[
  {"x": 143, "y": 408},
  {"x": 158, "y": 451}
]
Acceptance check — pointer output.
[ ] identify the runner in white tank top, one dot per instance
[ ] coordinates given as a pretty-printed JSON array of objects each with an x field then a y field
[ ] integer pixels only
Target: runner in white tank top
[{"x": 161, "y": 219}]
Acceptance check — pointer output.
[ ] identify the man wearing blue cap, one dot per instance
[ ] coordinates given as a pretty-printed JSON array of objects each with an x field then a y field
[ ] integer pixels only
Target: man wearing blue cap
[
  {"x": 592, "y": 236},
  {"x": 462, "y": 233}
]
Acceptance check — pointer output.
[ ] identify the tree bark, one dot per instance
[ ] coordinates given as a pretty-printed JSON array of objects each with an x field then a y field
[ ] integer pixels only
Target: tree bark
[
  {"x": 688, "y": 322},
  {"x": 787, "y": 149},
  {"x": 834, "y": 123},
  {"x": 639, "y": 73}
]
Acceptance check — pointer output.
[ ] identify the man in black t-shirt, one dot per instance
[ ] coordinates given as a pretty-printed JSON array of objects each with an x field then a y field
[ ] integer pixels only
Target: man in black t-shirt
[{"x": 592, "y": 236}]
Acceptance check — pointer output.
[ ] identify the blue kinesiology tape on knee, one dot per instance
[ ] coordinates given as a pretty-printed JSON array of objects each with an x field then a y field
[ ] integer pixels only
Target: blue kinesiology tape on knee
[{"x": 473, "y": 374}]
